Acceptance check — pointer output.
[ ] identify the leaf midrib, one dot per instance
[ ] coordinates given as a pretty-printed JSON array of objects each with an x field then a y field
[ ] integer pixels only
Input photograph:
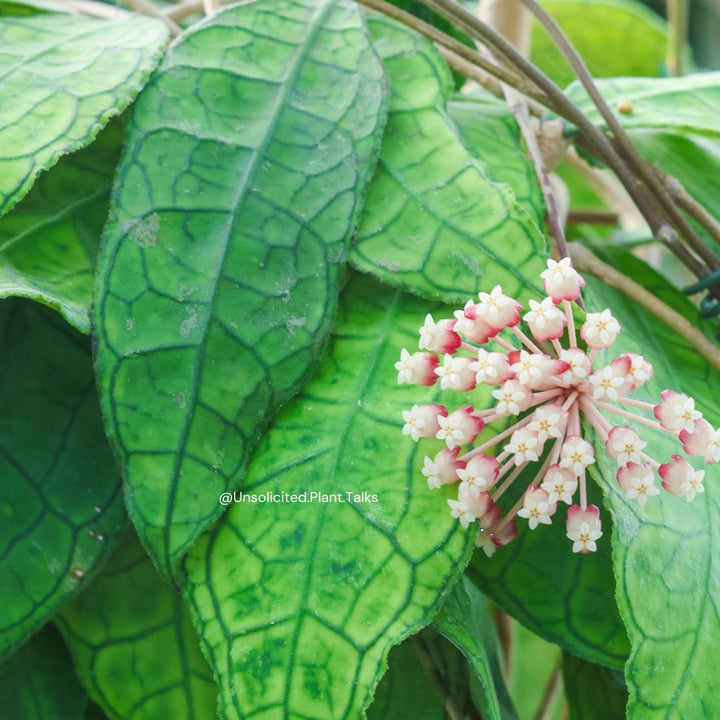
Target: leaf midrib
[{"x": 251, "y": 170}]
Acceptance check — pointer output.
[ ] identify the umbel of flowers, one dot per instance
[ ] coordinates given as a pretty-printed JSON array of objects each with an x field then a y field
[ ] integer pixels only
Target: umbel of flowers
[{"x": 548, "y": 379}]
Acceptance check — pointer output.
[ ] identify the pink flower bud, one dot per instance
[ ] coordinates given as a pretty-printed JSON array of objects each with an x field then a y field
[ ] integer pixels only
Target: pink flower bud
[
  {"x": 455, "y": 373},
  {"x": 498, "y": 310},
  {"x": 677, "y": 412},
  {"x": 637, "y": 482},
  {"x": 443, "y": 468},
  {"x": 681, "y": 479},
  {"x": 417, "y": 369},
  {"x": 583, "y": 528},
  {"x": 600, "y": 330},
  {"x": 439, "y": 336},
  {"x": 562, "y": 282},
  {"x": 421, "y": 420},
  {"x": 460, "y": 427},
  {"x": 704, "y": 440},
  {"x": 537, "y": 507},
  {"x": 479, "y": 474},
  {"x": 545, "y": 320},
  {"x": 491, "y": 368},
  {"x": 560, "y": 484},
  {"x": 472, "y": 325},
  {"x": 624, "y": 445}
]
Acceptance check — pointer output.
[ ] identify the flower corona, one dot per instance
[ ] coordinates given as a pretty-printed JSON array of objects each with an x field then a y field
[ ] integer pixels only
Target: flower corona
[{"x": 547, "y": 386}]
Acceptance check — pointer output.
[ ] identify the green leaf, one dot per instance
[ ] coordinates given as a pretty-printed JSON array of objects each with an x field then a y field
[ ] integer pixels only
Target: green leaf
[
  {"x": 593, "y": 692},
  {"x": 491, "y": 134},
  {"x": 48, "y": 243},
  {"x": 693, "y": 160},
  {"x": 30, "y": 7},
  {"x": 38, "y": 682},
  {"x": 665, "y": 552},
  {"x": 565, "y": 598},
  {"x": 433, "y": 222},
  {"x": 614, "y": 37},
  {"x": 408, "y": 692},
  {"x": 218, "y": 280},
  {"x": 464, "y": 619},
  {"x": 61, "y": 504},
  {"x": 93, "y": 712},
  {"x": 67, "y": 76},
  {"x": 134, "y": 646},
  {"x": 299, "y": 602},
  {"x": 687, "y": 104}
]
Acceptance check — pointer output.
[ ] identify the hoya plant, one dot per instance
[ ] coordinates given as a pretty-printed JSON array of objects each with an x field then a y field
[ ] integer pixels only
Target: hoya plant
[{"x": 358, "y": 360}]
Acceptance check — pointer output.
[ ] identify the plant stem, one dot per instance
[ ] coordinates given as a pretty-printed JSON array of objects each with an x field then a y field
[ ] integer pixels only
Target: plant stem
[
  {"x": 645, "y": 173},
  {"x": 457, "y": 49},
  {"x": 586, "y": 261},
  {"x": 147, "y": 8},
  {"x": 552, "y": 687},
  {"x": 92, "y": 8},
  {"x": 677, "y": 13}
]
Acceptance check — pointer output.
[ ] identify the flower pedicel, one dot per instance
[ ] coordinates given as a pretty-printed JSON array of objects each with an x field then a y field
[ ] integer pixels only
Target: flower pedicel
[{"x": 548, "y": 392}]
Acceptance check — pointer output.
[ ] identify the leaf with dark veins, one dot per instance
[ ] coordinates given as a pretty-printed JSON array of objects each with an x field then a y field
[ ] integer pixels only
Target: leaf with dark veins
[
  {"x": 299, "y": 603},
  {"x": 133, "y": 644},
  {"x": 67, "y": 76},
  {"x": 218, "y": 279},
  {"x": 434, "y": 222},
  {"x": 61, "y": 504}
]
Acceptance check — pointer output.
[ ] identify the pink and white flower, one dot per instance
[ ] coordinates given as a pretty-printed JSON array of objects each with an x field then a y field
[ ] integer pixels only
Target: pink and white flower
[
  {"x": 422, "y": 420},
  {"x": 562, "y": 281},
  {"x": 439, "y": 336},
  {"x": 681, "y": 479},
  {"x": 546, "y": 390},
  {"x": 637, "y": 482},
  {"x": 600, "y": 330},
  {"x": 583, "y": 528},
  {"x": 537, "y": 507}
]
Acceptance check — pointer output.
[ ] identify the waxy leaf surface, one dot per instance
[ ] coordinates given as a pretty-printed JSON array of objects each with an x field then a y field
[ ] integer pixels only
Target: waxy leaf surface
[
  {"x": 218, "y": 279},
  {"x": 464, "y": 619},
  {"x": 134, "y": 646},
  {"x": 61, "y": 79},
  {"x": 408, "y": 691},
  {"x": 38, "y": 681},
  {"x": 48, "y": 243},
  {"x": 613, "y": 37},
  {"x": 593, "y": 692},
  {"x": 665, "y": 553},
  {"x": 492, "y": 136},
  {"x": 433, "y": 221},
  {"x": 61, "y": 500},
  {"x": 690, "y": 103},
  {"x": 566, "y": 598},
  {"x": 299, "y": 602}
]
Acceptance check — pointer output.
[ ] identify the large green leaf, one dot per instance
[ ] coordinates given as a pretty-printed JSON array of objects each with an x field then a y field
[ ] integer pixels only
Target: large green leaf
[
  {"x": 665, "y": 553},
  {"x": 61, "y": 503},
  {"x": 613, "y": 37},
  {"x": 566, "y": 598},
  {"x": 491, "y": 134},
  {"x": 690, "y": 103},
  {"x": 408, "y": 691},
  {"x": 593, "y": 692},
  {"x": 48, "y": 243},
  {"x": 434, "y": 222},
  {"x": 134, "y": 646},
  {"x": 38, "y": 682},
  {"x": 464, "y": 619},
  {"x": 30, "y": 7},
  {"x": 218, "y": 280},
  {"x": 61, "y": 79},
  {"x": 299, "y": 602}
]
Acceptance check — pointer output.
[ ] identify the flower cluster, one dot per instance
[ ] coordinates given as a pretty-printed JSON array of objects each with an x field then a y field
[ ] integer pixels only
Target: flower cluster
[{"x": 544, "y": 376}]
